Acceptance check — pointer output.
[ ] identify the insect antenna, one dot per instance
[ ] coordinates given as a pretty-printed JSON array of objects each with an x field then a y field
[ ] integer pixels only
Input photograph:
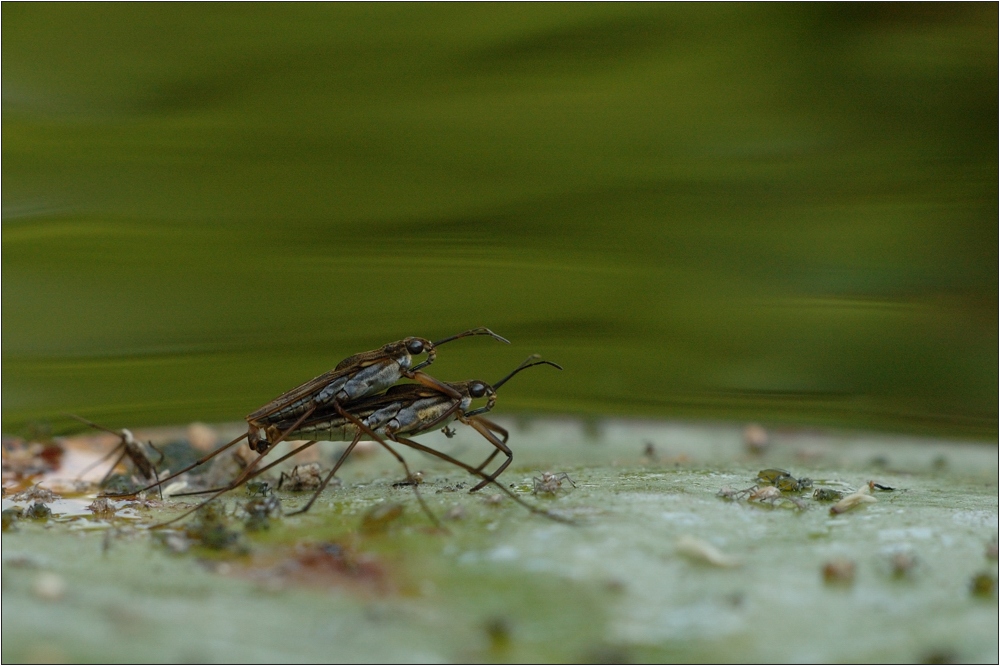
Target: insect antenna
[
  {"x": 116, "y": 433},
  {"x": 473, "y": 331},
  {"x": 432, "y": 351},
  {"x": 529, "y": 362},
  {"x": 112, "y": 452}
]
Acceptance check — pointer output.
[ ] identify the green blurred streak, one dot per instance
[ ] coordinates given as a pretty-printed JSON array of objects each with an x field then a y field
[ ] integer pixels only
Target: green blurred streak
[{"x": 768, "y": 212}]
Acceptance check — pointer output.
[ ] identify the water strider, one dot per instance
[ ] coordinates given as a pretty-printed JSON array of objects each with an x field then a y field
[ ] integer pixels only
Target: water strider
[
  {"x": 549, "y": 483},
  {"x": 411, "y": 410},
  {"x": 407, "y": 411},
  {"x": 354, "y": 378},
  {"x": 130, "y": 448}
]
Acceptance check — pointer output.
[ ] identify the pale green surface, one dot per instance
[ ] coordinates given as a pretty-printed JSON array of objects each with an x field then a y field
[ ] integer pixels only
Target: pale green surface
[{"x": 611, "y": 588}]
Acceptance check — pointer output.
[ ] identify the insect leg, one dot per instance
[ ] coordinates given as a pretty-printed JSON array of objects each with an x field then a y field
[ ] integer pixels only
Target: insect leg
[
  {"x": 112, "y": 468},
  {"x": 246, "y": 472},
  {"x": 255, "y": 474},
  {"x": 495, "y": 428},
  {"x": 98, "y": 462},
  {"x": 329, "y": 477},
  {"x": 159, "y": 452},
  {"x": 471, "y": 470},
  {"x": 437, "y": 384},
  {"x": 483, "y": 429},
  {"x": 196, "y": 463},
  {"x": 409, "y": 475},
  {"x": 156, "y": 474}
]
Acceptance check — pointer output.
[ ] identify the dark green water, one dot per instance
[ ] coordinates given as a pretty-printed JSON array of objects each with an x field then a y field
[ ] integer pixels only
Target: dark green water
[{"x": 784, "y": 213}]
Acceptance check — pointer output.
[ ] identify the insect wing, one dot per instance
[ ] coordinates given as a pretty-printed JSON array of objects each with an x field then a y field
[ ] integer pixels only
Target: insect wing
[
  {"x": 300, "y": 394},
  {"x": 364, "y": 359},
  {"x": 328, "y": 416}
]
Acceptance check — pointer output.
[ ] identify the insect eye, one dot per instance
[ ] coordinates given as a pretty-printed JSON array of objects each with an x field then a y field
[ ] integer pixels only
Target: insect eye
[
  {"x": 415, "y": 346},
  {"x": 477, "y": 390}
]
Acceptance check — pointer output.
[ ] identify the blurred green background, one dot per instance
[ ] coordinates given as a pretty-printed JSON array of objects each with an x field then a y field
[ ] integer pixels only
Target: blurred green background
[{"x": 777, "y": 212}]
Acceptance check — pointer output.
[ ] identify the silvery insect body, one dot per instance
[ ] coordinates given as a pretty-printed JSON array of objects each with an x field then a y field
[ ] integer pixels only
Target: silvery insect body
[
  {"x": 409, "y": 410},
  {"x": 354, "y": 378},
  {"x": 403, "y": 412}
]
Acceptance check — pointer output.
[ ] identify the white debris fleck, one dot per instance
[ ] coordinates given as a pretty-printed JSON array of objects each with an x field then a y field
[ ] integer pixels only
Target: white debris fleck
[
  {"x": 862, "y": 496},
  {"x": 49, "y": 586},
  {"x": 702, "y": 551}
]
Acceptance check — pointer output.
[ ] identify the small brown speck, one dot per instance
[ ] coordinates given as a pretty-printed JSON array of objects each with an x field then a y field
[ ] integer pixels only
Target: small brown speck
[
  {"x": 991, "y": 549},
  {"x": 498, "y": 630},
  {"x": 902, "y": 564},
  {"x": 839, "y": 571},
  {"x": 379, "y": 517},
  {"x": 983, "y": 585},
  {"x": 755, "y": 439}
]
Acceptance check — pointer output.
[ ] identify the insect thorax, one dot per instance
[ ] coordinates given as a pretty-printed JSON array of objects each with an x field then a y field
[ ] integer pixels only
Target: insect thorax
[{"x": 370, "y": 380}]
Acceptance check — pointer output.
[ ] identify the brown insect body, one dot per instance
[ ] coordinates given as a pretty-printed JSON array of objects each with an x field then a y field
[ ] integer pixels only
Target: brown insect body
[
  {"x": 410, "y": 409},
  {"x": 129, "y": 447},
  {"x": 355, "y": 377},
  {"x": 352, "y": 379}
]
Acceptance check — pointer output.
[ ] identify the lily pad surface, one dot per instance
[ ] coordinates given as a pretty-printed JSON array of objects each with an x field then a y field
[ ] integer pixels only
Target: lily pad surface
[{"x": 661, "y": 554}]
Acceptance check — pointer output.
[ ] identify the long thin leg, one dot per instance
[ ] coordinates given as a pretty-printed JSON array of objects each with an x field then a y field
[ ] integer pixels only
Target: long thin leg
[
  {"x": 200, "y": 461},
  {"x": 471, "y": 470},
  {"x": 495, "y": 428},
  {"x": 156, "y": 473},
  {"x": 488, "y": 460},
  {"x": 99, "y": 461},
  {"x": 246, "y": 472},
  {"x": 364, "y": 429},
  {"x": 485, "y": 431},
  {"x": 329, "y": 477},
  {"x": 112, "y": 468},
  {"x": 416, "y": 491},
  {"x": 444, "y": 418},
  {"x": 409, "y": 475},
  {"x": 252, "y": 476},
  {"x": 433, "y": 383}
]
